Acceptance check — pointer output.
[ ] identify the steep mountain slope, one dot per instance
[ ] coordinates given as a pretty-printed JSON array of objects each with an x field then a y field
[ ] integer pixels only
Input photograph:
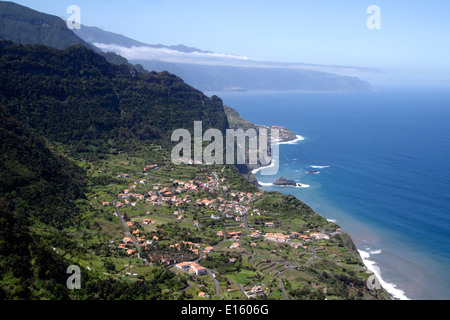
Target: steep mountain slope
[
  {"x": 75, "y": 96},
  {"x": 36, "y": 181},
  {"x": 37, "y": 186}
]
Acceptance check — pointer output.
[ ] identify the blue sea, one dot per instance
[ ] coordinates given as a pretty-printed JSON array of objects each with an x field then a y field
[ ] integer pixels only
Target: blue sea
[{"x": 383, "y": 162}]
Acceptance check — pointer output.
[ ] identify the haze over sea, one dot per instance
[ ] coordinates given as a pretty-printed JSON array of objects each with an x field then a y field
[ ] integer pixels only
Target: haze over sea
[{"x": 383, "y": 160}]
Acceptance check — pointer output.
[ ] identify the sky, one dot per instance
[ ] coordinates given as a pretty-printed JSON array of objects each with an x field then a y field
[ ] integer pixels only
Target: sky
[{"x": 411, "y": 46}]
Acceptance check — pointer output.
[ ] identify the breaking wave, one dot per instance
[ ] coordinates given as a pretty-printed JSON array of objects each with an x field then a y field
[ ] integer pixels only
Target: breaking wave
[{"x": 372, "y": 266}]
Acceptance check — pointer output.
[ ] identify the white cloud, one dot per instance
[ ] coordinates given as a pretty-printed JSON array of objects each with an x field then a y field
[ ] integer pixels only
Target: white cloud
[
  {"x": 169, "y": 55},
  {"x": 215, "y": 59}
]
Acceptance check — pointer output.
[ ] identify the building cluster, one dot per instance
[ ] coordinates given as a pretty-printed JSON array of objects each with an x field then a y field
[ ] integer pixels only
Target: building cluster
[
  {"x": 283, "y": 133},
  {"x": 232, "y": 205}
]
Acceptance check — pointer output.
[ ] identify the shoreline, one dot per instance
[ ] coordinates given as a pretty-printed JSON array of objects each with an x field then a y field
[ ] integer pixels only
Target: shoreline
[
  {"x": 391, "y": 288},
  {"x": 294, "y": 141},
  {"x": 297, "y": 138},
  {"x": 365, "y": 254}
]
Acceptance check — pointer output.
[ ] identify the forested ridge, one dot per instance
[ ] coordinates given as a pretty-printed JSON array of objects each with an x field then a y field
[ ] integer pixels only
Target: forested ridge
[{"x": 74, "y": 96}]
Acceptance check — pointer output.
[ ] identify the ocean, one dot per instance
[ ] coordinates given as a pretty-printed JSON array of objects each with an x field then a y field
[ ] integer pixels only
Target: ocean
[{"x": 383, "y": 161}]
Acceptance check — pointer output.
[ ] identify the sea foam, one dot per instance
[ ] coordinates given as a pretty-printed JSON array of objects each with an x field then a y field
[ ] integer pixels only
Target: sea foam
[
  {"x": 372, "y": 266},
  {"x": 270, "y": 184},
  {"x": 265, "y": 184},
  {"x": 255, "y": 171},
  {"x": 297, "y": 139}
]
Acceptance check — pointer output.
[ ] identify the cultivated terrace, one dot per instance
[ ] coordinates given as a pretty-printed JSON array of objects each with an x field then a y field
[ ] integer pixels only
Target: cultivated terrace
[{"x": 218, "y": 236}]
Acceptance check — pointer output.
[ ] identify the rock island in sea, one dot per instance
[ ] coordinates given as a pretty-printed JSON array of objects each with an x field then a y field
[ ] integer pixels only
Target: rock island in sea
[{"x": 284, "y": 182}]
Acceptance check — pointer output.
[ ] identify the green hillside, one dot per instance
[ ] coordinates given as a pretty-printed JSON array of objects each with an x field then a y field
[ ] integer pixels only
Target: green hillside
[
  {"x": 38, "y": 182},
  {"x": 75, "y": 96}
]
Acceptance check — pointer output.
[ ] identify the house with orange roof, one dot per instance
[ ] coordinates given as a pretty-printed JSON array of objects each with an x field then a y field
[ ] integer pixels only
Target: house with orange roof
[
  {"x": 234, "y": 233},
  {"x": 127, "y": 240},
  {"x": 208, "y": 249},
  {"x": 278, "y": 234},
  {"x": 191, "y": 267},
  {"x": 184, "y": 265},
  {"x": 139, "y": 196},
  {"x": 198, "y": 269},
  {"x": 202, "y": 294}
]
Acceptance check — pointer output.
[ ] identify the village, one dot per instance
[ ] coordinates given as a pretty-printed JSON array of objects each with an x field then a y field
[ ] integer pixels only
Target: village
[
  {"x": 146, "y": 207},
  {"x": 182, "y": 193}
]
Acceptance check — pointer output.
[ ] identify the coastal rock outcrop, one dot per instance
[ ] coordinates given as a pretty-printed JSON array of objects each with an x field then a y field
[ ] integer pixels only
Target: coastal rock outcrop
[{"x": 284, "y": 182}]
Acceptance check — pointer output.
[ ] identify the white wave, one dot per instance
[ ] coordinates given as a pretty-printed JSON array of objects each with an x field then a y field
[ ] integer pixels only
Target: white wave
[
  {"x": 265, "y": 184},
  {"x": 301, "y": 185},
  {"x": 319, "y": 167},
  {"x": 254, "y": 171},
  {"x": 297, "y": 139},
  {"x": 269, "y": 184},
  {"x": 332, "y": 220},
  {"x": 372, "y": 266}
]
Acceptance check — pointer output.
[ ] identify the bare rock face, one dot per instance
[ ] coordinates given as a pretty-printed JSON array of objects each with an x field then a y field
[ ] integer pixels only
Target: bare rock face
[{"x": 284, "y": 182}]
